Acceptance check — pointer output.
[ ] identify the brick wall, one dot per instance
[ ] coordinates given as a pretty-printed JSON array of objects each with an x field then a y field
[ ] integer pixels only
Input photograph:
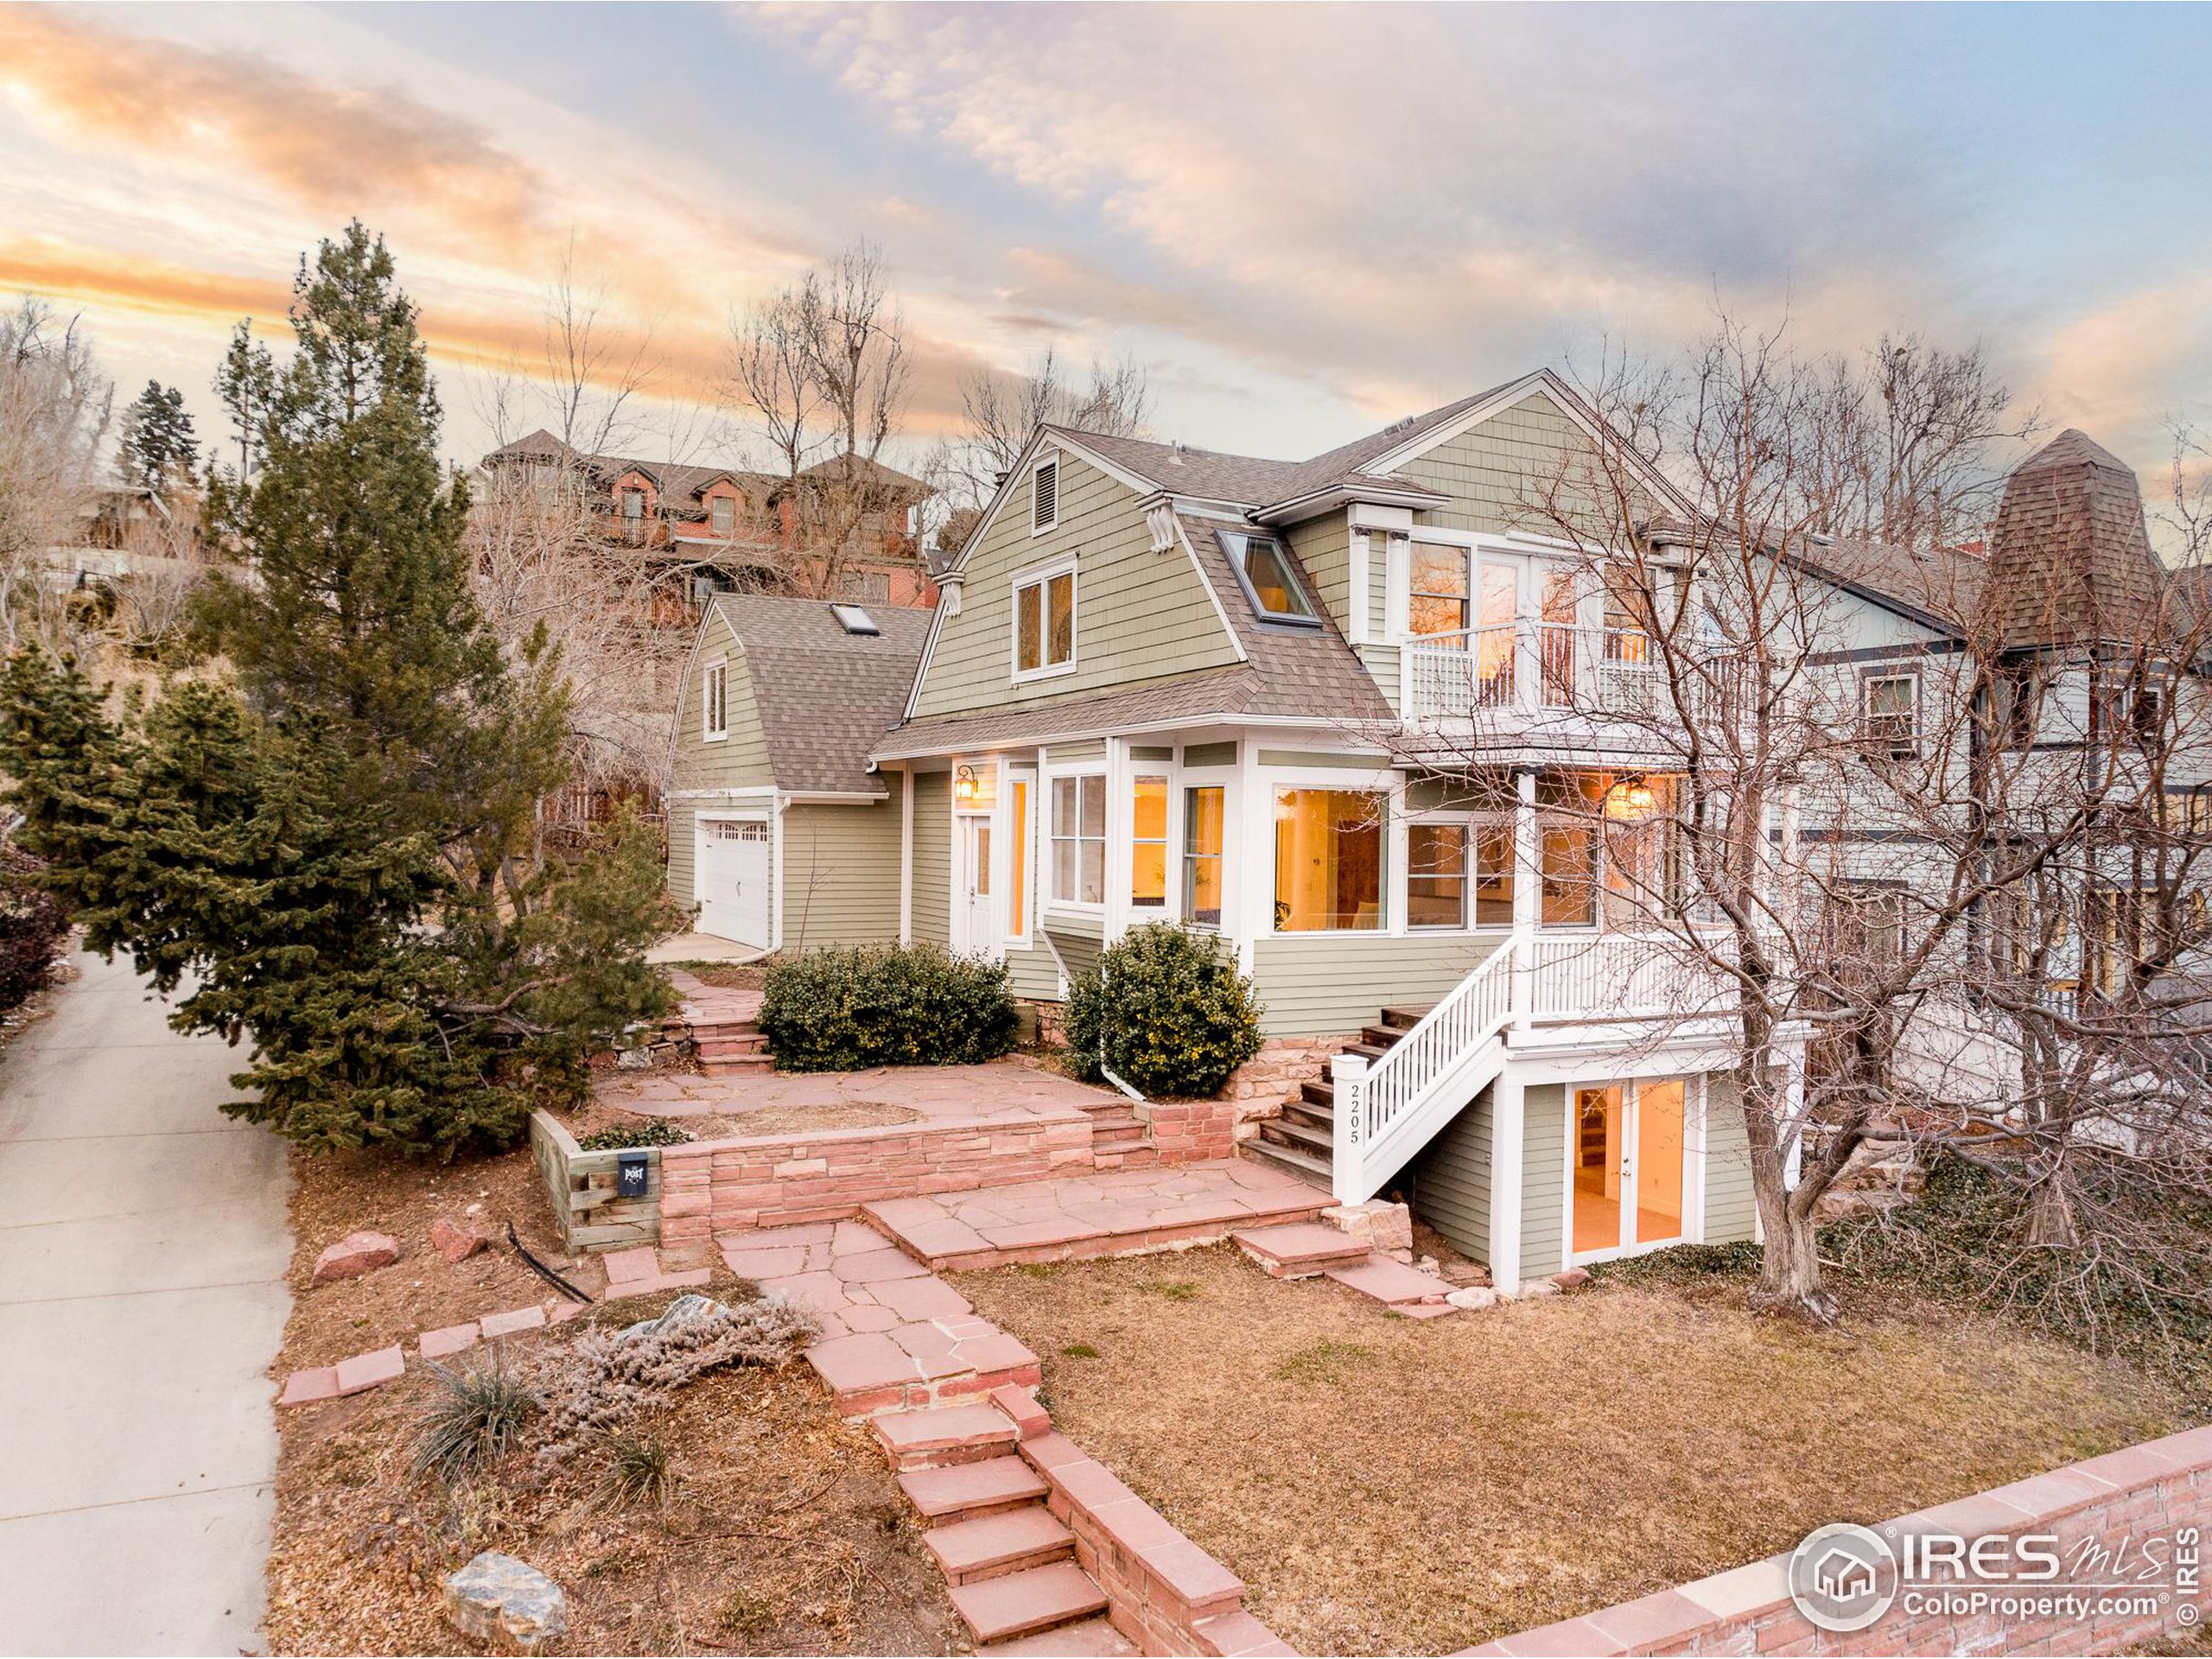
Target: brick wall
[
  {"x": 712, "y": 1187},
  {"x": 2123, "y": 1499}
]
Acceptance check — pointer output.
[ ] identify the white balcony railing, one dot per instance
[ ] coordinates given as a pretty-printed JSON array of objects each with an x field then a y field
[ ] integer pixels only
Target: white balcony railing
[
  {"x": 1387, "y": 1110},
  {"x": 1530, "y": 669}
]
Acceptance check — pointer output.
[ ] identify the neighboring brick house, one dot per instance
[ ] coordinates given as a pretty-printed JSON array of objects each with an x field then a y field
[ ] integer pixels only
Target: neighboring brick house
[{"x": 727, "y": 529}]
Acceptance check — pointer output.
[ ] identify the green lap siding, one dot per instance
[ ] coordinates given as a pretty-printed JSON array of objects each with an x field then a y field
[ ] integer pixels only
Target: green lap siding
[
  {"x": 1543, "y": 1179},
  {"x": 1323, "y": 548},
  {"x": 1079, "y": 939},
  {"x": 1032, "y": 973},
  {"x": 1450, "y": 1181},
  {"x": 841, "y": 875},
  {"x": 1322, "y": 984},
  {"x": 1730, "y": 1215},
  {"x": 682, "y": 851},
  {"x": 932, "y": 919}
]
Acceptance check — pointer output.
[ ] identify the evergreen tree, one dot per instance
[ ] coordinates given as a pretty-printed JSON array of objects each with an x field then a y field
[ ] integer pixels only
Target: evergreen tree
[
  {"x": 158, "y": 444},
  {"x": 338, "y": 849}
]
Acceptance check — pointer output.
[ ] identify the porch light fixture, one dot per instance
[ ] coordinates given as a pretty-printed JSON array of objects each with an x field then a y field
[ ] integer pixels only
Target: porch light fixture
[
  {"x": 968, "y": 789},
  {"x": 1628, "y": 800}
]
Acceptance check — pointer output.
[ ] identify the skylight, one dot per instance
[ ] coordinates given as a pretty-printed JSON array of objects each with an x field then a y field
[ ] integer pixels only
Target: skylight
[
  {"x": 1265, "y": 575},
  {"x": 854, "y": 619}
]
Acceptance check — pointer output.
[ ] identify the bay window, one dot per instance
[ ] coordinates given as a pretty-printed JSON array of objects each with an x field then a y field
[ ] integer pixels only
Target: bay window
[
  {"x": 1203, "y": 817},
  {"x": 1079, "y": 840},
  {"x": 1149, "y": 844},
  {"x": 1436, "y": 875},
  {"x": 1329, "y": 861}
]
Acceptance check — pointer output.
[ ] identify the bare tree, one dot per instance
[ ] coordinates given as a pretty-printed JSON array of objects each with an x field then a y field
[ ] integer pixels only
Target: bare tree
[
  {"x": 54, "y": 406},
  {"x": 999, "y": 413}
]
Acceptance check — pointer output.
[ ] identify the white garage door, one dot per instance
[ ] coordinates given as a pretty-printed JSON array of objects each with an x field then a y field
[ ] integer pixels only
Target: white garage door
[{"x": 734, "y": 880}]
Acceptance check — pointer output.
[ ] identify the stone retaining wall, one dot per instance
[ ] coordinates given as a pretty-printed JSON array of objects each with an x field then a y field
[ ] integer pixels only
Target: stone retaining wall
[
  {"x": 2119, "y": 1503},
  {"x": 713, "y": 1187}
]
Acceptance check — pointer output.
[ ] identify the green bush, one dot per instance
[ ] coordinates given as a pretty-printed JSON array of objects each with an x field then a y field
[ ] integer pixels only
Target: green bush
[
  {"x": 653, "y": 1132},
  {"x": 1166, "y": 1009},
  {"x": 843, "y": 1010}
]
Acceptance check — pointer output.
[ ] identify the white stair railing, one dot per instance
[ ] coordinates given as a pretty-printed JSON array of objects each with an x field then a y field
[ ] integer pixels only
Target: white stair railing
[{"x": 1373, "y": 1097}]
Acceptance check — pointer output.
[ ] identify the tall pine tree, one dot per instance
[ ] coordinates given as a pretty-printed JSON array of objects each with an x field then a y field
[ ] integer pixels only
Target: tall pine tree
[
  {"x": 159, "y": 447},
  {"x": 338, "y": 847}
]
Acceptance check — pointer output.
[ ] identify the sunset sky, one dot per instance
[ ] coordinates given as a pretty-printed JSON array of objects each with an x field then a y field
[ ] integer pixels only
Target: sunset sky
[{"x": 1303, "y": 222}]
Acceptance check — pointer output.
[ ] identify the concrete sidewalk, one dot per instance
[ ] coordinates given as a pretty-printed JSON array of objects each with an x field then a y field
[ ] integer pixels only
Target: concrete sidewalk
[{"x": 142, "y": 1249}]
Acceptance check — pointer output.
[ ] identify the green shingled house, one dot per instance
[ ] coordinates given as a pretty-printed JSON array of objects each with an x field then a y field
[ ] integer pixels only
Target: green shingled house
[{"x": 1163, "y": 683}]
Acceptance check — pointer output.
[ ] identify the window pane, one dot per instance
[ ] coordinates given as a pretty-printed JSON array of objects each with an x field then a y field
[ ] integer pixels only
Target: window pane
[
  {"x": 1028, "y": 631},
  {"x": 1266, "y": 570},
  {"x": 1501, "y": 597},
  {"x": 1440, "y": 569},
  {"x": 1425, "y": 614},
  {"x": 1094, "y": 807},
  {"x": 1149, "y": 844},
  {"x": 1061, "y": 597},
  {"x": 1064, "y": 870},
  {"x": 1569, "y": 854},
  {"x": 1064, "y": 805},
  {"x": 1202, "y": 826},
  {"x": 1436, "y": 875},
  {"x": 1017, "y": 863},
  {"x": 1328, "y": 860},
  {"x": 1494, "y": 875},
  {"x": 1094, "y": 872}
]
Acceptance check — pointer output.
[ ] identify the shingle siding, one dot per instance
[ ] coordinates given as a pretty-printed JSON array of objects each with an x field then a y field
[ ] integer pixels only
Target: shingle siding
[
  {"x": 841, "y": 875},
  {"x": 1450, "y": 1181},
  {"x": 739, "y": 760},
  {"x": 932, "y": 918},
  {"x": 1319, "y": 983},
  {"x": 1139, "y": 615}
]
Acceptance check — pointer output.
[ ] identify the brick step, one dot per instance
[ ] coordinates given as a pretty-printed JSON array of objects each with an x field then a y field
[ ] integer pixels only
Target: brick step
[
  {"x": 720, "y": 1047},
  {"x": 1390, "y": 1282},
  {"x": 1384, "y": 1036},
  {"x": 1317, "y": 1142},
  {"x": 971, "y": 1491},
  {"x": 1088, "y": 1638},
  {"x": 971, "y": 1551},
  {"x": 1021, "y": 1603},
  {"x": 941, "y": 1437},
  {"x": 1132, "y": 1154},
  {"x": 738, "y": 1063},
  {"x": 1314, "y": 1171},
  {"x": 1302, "y": 1250}
]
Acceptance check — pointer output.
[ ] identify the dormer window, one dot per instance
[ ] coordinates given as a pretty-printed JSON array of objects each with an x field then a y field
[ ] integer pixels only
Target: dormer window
[
  {"x": 1262, "y": 567},
  {"x": 1045, "y": 498},
  {"x": 721, "y": 513}
]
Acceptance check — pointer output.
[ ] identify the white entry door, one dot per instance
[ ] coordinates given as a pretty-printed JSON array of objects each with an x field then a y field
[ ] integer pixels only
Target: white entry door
[
  {"x": 976, "y": 936},
  {"x": 1627, "y": 1160},
  {"x": 732, "y": 886}
]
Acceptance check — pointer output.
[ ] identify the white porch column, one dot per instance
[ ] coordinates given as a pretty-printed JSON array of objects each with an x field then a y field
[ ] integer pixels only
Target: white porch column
[
  {"x": 1528, "y": 890},
  {"x": 1793, "y": 1102},
  {"x": 1348, "y": 1075},
  {"x": 1507, "y": 1109},
  {"x": 907, "y": 853}
]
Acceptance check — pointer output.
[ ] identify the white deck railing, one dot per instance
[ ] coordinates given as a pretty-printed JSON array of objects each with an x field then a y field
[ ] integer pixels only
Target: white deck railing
[
  {"x": 1529, "y": 668},
  {"x": 1388, "y": 1108}
]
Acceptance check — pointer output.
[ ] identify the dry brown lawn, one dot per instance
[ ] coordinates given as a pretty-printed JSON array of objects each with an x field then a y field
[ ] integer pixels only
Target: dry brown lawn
[
  {"x": 1387, "y": 1485},
  {"x": 786, "y": 1533}
]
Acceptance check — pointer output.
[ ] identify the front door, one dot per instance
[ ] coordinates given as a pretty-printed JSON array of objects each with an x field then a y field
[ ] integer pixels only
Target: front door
[
  {"x": 1627, "y": 1153},
  {"x": 976, "y": 885}
]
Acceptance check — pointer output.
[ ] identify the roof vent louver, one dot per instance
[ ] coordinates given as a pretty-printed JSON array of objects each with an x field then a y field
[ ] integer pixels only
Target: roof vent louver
[{"x": 854, "y": 619}]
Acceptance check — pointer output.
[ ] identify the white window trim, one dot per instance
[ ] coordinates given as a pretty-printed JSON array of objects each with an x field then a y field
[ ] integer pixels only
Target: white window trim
[
  {"x": 1223, "y": 778},
  {"x": 1045, "y": 839},
  {"x": 1035, "y": 467},
  {"x": 1354, "y": 780},
  {"x": 708, "y": 732},
  {"x": 1028, "y": 885},
  {"x": 1469, "y": 823},
  {"x": 1169, "y": 908},
  {"x": 1910, "y": 740},
  {"x": 1693, "y": 1159},
  {"x": 1037, "y": 577}
]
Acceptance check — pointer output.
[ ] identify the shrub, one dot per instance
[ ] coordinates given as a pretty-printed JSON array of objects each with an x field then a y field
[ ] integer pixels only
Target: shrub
[
  {"x": 1167, "y": 1010},
  {"x": 653, "y": 1132},
  {"x": 473, "y": 1416},
  {"x": 32, "y": 925},
  {"x": 843, "y": 1010},
  {"x": 639, "y": 1470}
]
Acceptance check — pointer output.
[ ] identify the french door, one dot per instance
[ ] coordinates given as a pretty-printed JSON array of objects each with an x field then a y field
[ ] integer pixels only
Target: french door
[{"x": 1628, "y": 1166}]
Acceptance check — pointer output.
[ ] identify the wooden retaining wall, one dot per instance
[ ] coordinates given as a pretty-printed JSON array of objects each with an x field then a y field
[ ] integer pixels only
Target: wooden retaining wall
[{"x": 580, "y": 1185}]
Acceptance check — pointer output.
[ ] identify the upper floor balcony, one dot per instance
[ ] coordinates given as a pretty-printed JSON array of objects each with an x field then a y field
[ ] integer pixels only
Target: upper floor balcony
[{"x": 1515, "y": 676}]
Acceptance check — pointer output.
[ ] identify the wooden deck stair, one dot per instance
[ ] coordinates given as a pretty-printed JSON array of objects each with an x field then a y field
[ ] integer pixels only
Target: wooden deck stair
[{"x": 1302, "y": 1139}]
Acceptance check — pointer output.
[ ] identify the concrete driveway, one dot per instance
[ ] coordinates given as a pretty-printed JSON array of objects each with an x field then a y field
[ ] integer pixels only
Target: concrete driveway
[{"x": 143, "y": 1248}]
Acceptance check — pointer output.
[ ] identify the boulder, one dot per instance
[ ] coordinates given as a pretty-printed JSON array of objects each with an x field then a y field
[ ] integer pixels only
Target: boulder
[
  {"x": 1573, "y": 1279},
  {"x": 355, "y": 1254},
  {"x": 1473, "y": 1298},
  {"x": 457, "y": 1242},
  {"x": 1386, "y": 1227},
  {"x": 497, "y": 1599},
  {"x": 688, "y": 1306},
  {"x": 1537, "y": 1287}
]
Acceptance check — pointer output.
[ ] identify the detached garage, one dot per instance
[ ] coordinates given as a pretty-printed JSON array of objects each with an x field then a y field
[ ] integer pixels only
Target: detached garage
[{"x": 776, "y": 829}]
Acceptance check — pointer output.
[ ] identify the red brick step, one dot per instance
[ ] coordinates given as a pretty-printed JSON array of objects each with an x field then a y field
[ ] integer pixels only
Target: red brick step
[
  {"x": 1019, "y": 1603},
  {"x": 968, "y": 1492},
  {"x": 998, "y": 1544},
  {"x": 941, "y": 1436}
]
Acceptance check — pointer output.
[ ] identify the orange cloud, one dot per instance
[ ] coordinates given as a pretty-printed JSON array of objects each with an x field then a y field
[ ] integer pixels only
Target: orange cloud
[{"x": 341, "y": 150}]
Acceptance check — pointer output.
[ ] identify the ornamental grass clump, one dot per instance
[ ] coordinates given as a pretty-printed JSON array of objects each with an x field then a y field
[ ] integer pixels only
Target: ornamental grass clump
[
  {"x": 845, "y": 1010},
  {"x": 1164, "y": 1009},
  {"x": 475, "y": 1416}
]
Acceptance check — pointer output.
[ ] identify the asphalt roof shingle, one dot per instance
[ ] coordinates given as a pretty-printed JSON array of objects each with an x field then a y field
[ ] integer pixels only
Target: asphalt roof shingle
[{"x": 825, "y": 696}]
